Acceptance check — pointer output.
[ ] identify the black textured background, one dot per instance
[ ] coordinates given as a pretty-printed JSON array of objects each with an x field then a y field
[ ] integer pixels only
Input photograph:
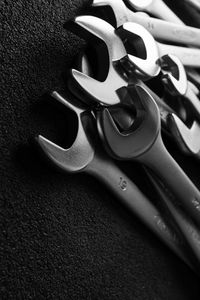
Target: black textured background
[{"x": 63, "y": 236}]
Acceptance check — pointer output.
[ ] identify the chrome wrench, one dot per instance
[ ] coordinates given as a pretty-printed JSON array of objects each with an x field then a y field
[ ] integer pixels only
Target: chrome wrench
[
  {"x": 85, "y": 155},
  {"x": 144, "y": 144},
  {"x": 188, "y": 231},
  {"x": 132, "y": 34},
  {"x": 188, "y": 138},
  {"x": 160, "y": 29}
]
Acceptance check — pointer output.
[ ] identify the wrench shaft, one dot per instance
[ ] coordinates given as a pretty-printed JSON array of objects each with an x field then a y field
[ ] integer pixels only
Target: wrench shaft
[
  {"x": 169, "y": 31},
  {"x": 188, "y": 56},
  {"x": 190, "y": 233},
  {"x": 159, "y": 9},
  {"x": 160, "y": 161},
  {"x": 129, "y": 194}
]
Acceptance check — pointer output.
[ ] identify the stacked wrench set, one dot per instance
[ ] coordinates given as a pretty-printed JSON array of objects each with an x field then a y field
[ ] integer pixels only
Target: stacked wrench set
[{"x": 121, "y": 113}]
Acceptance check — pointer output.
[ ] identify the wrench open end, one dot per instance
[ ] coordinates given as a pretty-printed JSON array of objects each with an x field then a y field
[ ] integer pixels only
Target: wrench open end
[
  {"x": 187, "y": 137},
  {"x": 139, "y": 138},
  {"x": 79, "y": 155},
  {"x": 121, "y": 12},
  {"x": 103, "y": 92},
  {"x": 140, "y": 5},
  {"x": 134, "y": 34},
  {"x": 173, "y": 74}
]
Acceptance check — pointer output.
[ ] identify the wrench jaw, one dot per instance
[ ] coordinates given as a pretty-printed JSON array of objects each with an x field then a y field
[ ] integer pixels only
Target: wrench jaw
[
  {"x": 101, "y": 91},
  {"x": 173, "y": 75},
  {"x": 120, "y": 11},
  {"x": 136, "y": 36},
  {"x": 140, "y": 5},
  {"x": 187, "y": 138},
  {"x": 140, "y": 137},
  {"x": 80, "y": 154}
]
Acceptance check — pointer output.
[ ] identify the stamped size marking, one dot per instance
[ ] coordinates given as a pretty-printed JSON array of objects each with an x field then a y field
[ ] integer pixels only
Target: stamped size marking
[
  {"x": 196, "y": 203},
  {"x": 150, "y": 26},
  {"x": 123, "y": 184}
]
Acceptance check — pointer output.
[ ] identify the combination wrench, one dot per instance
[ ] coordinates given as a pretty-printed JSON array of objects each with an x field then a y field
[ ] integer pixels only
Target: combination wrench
[
  {"x": 137, "y": 39},
  {"x": 188, "y": 138},
  {"x": 160, "y": 29},
  {"x": 144, "y": 144},
  {"x": 184, "y": 225},
  {"x": 186, "y": 228},
  {"x": 86, "y": 155},
  {"x": 107, "y": 92}
]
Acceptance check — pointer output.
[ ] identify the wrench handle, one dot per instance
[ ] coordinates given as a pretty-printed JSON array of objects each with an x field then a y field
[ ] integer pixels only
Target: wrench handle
[
  {"x": 173, "y": 177},
  {"x": 167, "y": 31},
  {"x": 159, "y": 9},
  {"x": 190, "y": 57},
  {"x": 123, "y": 188},
  {"x": 187, "y": 229}
]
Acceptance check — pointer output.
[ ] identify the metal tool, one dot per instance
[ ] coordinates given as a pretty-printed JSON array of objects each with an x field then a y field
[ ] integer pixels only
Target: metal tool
[
  {"x": 187, "y": 138},
  {"x": 188, "y": 231},
  {"x": 158, "y": 8},
  {"x": 107, "y": 90},
  {"x": 191, "y": 232},
  {"x": 158, "y": 28},
  {"x": 86, "y": 155},
  {"x": 175, "y": 78},
  {"x": 144, "y": 144},
  {"x": 131, "y": 33}
]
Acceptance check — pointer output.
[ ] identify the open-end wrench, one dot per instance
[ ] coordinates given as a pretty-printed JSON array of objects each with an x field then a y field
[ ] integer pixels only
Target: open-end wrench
[
  {"x": 175, "y": 78},
  {"x": 185, "y": 226},
  {"x": 158, "y": 8},
  {"x": 152, "y": 50},
  {"x": 158, "y": 28},
  {"x": 144, "y": 144},
  {"x": 106, "y": 91},
  {"x": 86, "y": 155}
]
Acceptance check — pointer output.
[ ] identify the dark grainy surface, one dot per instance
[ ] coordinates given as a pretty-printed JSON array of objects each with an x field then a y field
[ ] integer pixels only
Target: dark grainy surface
[{"x": 63, "y": 236}]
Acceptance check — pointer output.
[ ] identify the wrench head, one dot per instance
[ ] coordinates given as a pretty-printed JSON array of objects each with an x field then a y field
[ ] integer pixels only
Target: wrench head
[
  {"x": 137, "y": 39},
  {"x": 173, "y": 75},
  {"x": 187, "y": 138},
  {"x": 140, "y": 4},
  {"x": 141, "y": 136},
  {"x": 81, "y": 153},
  {"x": 120, "y": 10},
  {"x": 102, "y": 91}
]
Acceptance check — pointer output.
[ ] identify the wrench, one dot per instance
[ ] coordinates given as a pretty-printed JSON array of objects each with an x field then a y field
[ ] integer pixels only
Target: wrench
[
  {"x": 117, "y": 56},
  {"x": 152, "y": 50},
  {"x": 192, "y": 233},
  {"x": 86, "y": 155},
  {"x": 158, "y": 28},
  {"x": 105, "y": 92},
  {"x": 185, "y": 227},
  {"x": 158, "y": 8},
  {"x": 171, "y": 65},
  {"x": 144, "y": 144},
  {"x": 188, "y": 138}
]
